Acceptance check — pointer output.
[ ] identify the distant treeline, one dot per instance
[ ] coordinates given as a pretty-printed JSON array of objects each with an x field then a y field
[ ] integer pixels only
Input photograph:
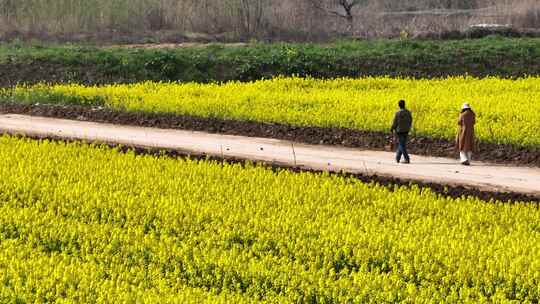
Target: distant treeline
[{"x": 244, "y": 20}]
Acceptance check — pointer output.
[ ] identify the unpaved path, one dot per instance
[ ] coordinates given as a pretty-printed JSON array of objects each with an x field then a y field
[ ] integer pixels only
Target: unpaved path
[{"x": 482, "y": 176}]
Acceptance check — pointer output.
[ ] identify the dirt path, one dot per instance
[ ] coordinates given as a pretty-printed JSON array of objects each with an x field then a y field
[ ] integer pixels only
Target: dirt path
[
  {"x": 482, "y": 176},
  {"x": 505, "y": 154}
]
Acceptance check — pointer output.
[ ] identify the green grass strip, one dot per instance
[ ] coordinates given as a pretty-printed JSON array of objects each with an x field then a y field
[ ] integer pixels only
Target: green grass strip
[{"x": 492, "y": 56}]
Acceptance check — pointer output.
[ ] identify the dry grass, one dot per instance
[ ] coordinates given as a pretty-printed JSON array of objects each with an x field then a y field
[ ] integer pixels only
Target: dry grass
[
  {"x": 526, "y": 14},
  {"x": 242, "y": 20}
]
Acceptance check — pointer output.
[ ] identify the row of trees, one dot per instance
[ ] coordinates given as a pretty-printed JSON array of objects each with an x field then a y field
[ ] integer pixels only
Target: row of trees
[{"x": 271, "y": 19}]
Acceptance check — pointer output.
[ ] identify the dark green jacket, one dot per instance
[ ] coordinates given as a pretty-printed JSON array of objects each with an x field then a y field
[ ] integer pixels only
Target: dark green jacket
[{"x": 402, "y": 121}]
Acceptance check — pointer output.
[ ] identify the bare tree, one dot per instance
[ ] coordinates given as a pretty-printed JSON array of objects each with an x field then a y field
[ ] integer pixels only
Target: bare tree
[
  {"x": 248, "y": 16},
  {"x": 340, "y": 8}
]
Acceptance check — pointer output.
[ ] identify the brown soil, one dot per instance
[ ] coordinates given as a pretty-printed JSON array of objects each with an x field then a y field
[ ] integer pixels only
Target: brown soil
[
  {"x": 503, "y": 154},
  {"x": 38, "y": 71}
]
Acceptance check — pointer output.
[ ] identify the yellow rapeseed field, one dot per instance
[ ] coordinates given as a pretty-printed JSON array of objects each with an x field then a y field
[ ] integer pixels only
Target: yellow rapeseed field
[
  {"x": 508, "y": 110},
  {"x": 86, "y": 224}
]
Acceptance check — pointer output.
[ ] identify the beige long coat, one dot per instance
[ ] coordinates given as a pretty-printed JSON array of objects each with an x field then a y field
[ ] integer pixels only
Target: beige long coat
[{"x": 465, "y": 137}]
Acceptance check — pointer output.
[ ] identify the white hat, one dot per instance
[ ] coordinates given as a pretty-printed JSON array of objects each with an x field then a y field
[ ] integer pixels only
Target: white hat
[{"x": 465, "y": 106}]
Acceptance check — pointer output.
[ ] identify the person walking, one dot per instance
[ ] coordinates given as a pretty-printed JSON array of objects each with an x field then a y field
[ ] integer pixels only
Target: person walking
[
  {"x": 400, "y": 127},
  {"x": 465, "y": 136}
]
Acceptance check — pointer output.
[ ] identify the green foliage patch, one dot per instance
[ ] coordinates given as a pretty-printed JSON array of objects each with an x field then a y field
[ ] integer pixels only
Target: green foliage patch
[{"x": 493, "y": 56}]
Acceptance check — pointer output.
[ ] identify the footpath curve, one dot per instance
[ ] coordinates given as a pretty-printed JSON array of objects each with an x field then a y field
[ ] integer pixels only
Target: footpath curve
[{"x": 481, "y": 176}]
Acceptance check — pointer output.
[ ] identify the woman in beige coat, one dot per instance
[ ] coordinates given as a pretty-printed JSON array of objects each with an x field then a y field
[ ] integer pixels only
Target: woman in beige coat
[{"x": 465, "y": 137}]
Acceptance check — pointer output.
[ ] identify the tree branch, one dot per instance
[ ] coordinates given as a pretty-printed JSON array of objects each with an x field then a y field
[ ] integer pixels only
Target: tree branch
[{"x": 320, "y": 7}]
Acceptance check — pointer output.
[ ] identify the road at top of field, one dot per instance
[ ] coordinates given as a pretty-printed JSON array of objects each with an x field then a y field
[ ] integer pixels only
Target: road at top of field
[
  {"x": 350, "y": 112},
  {"x": 360, "y": 139},
  {"x": 482, "y": 176}
]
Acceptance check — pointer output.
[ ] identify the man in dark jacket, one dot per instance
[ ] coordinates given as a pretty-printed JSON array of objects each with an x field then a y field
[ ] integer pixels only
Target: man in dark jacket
[{"x": 401, "y": 126}]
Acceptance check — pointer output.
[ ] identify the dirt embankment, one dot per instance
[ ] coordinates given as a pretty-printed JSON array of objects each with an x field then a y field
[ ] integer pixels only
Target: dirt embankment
[
  {"x": 504, "y": 154},
  {"x": 12, "y": 74}
]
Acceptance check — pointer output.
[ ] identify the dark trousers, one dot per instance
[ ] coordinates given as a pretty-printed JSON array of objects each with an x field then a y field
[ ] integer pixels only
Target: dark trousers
[{"x": 402, "y": 146}]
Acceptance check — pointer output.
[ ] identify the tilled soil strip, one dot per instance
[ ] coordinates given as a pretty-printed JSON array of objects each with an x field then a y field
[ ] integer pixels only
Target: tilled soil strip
[
  {"x": 426, "y": 170},
  {"x": 494, "y": 153}
]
